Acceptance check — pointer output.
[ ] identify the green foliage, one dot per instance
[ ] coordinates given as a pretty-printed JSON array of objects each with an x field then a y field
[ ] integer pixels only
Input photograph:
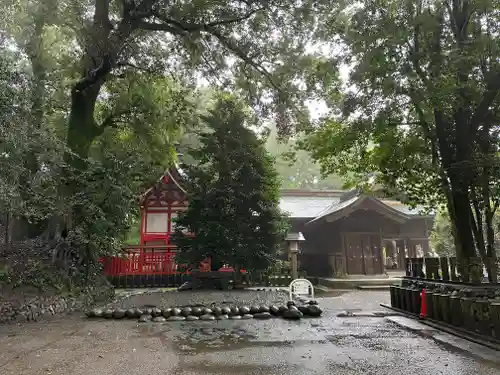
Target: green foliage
[
  {"x": 421, "y": 115},
  {"x": 441, "y": 237},
  {"x": 233, "y": 196},
  {"x": 296, "y": 168},
  {"x": 391, "y": 127},
  {"x": 24, "y": 192}
]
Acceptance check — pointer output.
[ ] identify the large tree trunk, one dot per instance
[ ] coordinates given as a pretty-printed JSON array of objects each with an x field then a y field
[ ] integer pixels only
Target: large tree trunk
[
  {"x": 490, "y": 251},
  {"x": 82, "y": 131},
  {"x": 463, "y": 225}
]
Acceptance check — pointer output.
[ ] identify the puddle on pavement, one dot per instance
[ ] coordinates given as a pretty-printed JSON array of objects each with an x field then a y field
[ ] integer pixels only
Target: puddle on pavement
[
  {"x": 193, "y": 338},
  {"x": 220, "y": 369}
]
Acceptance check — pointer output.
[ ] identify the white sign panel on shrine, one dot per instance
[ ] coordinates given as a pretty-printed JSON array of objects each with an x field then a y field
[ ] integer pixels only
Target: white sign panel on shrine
[
  {"x": 301, "y": 287},
  {"x": 157, "y": 222}
]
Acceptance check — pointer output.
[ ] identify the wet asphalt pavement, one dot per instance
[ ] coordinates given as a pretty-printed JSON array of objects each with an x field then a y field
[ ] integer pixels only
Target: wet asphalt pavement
[{"x": 328, "y": 345}]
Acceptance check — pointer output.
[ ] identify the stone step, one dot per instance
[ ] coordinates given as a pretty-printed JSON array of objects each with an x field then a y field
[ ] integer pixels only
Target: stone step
[{"x": 374, "y": 287}]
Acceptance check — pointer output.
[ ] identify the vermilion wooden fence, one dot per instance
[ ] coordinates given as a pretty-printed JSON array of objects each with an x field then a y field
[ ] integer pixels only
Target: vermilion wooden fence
[
  {"x": 147, "y": 260},
  {"x": 150, "y": 266}
]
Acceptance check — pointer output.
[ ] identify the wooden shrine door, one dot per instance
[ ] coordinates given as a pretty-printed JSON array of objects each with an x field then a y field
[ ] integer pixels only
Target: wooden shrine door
[
  {"x": 363, "y": 253},
  {"x": 372, "y": 254},
  {"x": 353, "y": 253}
]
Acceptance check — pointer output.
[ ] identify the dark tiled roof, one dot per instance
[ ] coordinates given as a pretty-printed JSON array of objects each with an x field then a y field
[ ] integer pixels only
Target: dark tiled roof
[
  {"x": 303, "y": 206},
  {"x": 306, "y": 207},
  {"x": 355, "y": 201}
]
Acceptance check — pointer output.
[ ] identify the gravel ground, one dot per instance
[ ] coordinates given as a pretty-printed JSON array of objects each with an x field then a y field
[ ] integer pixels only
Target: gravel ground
[
  {"x": 204, "y": 298},
  {"x": 325, "y": 346}
]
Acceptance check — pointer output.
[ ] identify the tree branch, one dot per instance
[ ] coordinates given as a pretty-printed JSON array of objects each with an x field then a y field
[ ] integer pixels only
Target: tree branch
[
  {"x": 231, "y": 46},
  {"x": 192, "y": 27},
  {"x": 180, "y": 28},
  {"x": 94, "y": 75},
  {"x": 482, "y": 109},
  {"x": 152, "y": 26},
  {"x": 139, "y": 68}
]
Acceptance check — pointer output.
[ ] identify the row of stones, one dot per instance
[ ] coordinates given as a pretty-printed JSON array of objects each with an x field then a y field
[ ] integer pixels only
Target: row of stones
[{"x": 290, "y": 311}]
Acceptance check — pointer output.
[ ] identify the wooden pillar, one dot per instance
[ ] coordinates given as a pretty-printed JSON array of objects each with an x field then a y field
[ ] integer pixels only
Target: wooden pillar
[
  {"x": 412, "y": 248},
  {"x": 295, "y": 264},
  {"x": 142, "y": 229},
  {"x": 425, "y": 246},
  {"x": 400, "y": 248}
]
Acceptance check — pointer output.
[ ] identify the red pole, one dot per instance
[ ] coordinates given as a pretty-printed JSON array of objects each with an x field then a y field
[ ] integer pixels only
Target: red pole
[
  {"x": 143, "y": 224},
  {"x": 423, "y": 305}
]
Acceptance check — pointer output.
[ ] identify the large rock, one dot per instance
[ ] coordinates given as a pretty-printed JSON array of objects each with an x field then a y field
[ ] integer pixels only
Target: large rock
[
  {"x": 108, "y": 314},
  {"x": 235, "y": 317},
  {"x": 196, "y": 311},
  {"x": 254, "y": 309},
  {"x": 274, "y": 310},
  {"x": 98, "y": 313},
  {"x": 244, "y": 310},
  {"x": 176, "y": 318},
  {"x": 159, "y": 319},
  {"x": 166, "y": 313},
  {"x": 282, "y": 310},
  {"x": 292, "y": 313},
  {"x": 145, "y": 318},
  {"x": 303, "y": 309},
  {"x": 247, "y": 316},
  {"x": 130, "y": 314},
  {"x": 186, "y": 311},
  {"x": 314, "y": 310},
  {"x": 119, "y": 314},
  {"x": 217, "y": 311},
  {"x": 192, "y": 318},
  {"x": 262, "y": 315},
  {"x": 90, "y": 314},
  {"x": 207, "y": 317},
  {"x": 176, "y": 311},
  {"x": 156, "y": 312},
  {"x": 263, "y": 309},
  {"x": 148, "y": 311},
  {"x": 226, "y": 310},
  {"x": 235, "y": 311},
  {"x": 207, "y": 311},
  {"x": 222, "y": 317}
]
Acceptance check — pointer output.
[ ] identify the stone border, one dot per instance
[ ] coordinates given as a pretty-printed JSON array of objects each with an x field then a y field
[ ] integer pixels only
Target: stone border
[
  {"x": 44, "y": 307},
  {"x": 158, "y": 315},
  {"x": 38, "y": 308}
]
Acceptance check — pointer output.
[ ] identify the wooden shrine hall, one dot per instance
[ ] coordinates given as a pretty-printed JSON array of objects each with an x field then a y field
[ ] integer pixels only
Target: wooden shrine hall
[{"x": 348, "y": 233}]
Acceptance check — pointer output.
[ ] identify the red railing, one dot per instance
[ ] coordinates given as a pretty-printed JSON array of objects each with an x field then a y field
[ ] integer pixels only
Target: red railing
[{"x": 147, "y": 260}]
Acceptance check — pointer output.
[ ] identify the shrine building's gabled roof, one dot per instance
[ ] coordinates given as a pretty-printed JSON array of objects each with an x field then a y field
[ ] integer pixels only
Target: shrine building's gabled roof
[
  {"x": 310, "y": 204},
  {"x": 171, "y": 176},
  {"x": 345, "y": 207}
]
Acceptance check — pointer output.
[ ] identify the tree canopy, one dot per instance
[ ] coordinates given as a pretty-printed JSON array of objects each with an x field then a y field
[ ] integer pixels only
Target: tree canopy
[
  {"x": 296, "y": 168},
  {"x": 421, "y": 112},
  {"x": 233, "y": 193}
]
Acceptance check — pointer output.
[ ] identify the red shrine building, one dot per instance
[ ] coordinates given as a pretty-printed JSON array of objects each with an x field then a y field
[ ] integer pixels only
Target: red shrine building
[{"x": 160, "y": 205}]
